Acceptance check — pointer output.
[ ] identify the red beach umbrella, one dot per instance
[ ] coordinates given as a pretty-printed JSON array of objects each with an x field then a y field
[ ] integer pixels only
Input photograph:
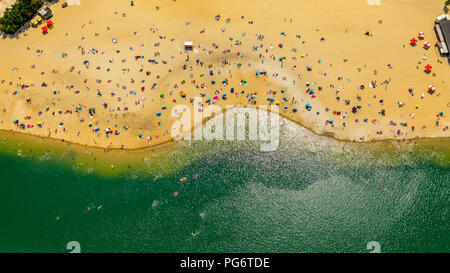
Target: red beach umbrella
[
  {"x": 421, "y": 35},
  {"x": 413, "y": 41},
  {"x": 427, "y": 44},
  {"x": 428, "y": 67},
  {"x": 49, "y": 23},
  {"x": 431, "y": 88},
  {"x": 44, "y": 29}
]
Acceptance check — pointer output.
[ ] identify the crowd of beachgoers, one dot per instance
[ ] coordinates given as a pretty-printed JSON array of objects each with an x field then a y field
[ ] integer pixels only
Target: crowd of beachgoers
[{"x": 112, "y": 79}]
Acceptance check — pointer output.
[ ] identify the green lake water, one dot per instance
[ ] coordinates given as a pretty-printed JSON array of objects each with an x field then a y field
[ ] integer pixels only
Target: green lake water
[{"x": 313, "y": 194}]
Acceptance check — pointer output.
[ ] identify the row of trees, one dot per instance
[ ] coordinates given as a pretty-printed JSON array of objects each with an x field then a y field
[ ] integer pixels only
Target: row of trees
[{"x": 18, "y": 15}]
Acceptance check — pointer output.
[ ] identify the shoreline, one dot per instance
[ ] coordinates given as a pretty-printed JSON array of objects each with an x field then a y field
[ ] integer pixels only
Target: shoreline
[
  {"x": 172, "y": 142},
  {"x": 170, "y": 146},
  {"x": 168, "y": 159},
  {"x": 172, "y": 157}
]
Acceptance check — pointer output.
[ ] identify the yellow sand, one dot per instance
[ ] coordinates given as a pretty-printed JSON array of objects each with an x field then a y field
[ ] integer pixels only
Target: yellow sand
[
  {"x": 342, "y": 23},
  {"x": 4, "y": 4}
]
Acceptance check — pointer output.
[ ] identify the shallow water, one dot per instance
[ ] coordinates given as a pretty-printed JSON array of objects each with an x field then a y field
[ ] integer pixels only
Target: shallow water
[{"x": 313, "y": 194}]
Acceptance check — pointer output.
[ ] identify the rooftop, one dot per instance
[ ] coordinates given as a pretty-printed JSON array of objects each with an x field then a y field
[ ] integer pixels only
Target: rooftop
[
  {"x": 444, "y": 25},
  {"x": 44, "y": 10}
]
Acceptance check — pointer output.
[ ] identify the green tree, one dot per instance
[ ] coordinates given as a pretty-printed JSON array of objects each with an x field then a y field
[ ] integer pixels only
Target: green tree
[{"x": 20, "y": 13}]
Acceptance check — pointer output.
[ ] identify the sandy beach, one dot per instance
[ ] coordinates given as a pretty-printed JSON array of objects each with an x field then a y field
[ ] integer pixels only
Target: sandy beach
[
  {"x": 106, "y": 69},
  {"x": 4, "y": 4}
]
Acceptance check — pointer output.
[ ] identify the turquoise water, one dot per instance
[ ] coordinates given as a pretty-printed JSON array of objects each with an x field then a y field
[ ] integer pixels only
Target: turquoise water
[{"x": 313, "y": 194}]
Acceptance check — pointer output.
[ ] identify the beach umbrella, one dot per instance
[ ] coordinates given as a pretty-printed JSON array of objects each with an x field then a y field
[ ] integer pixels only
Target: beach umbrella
[
  {"x": 49, "y": 23},
  {"x": 308, "y": 107},
  {"x": 44, "y": 29},
  {"x": 421, "y": 35},
  {"x": 413, "y": 41},
  {"x": 431, "y": 88},
  {"x": 428, "y": 67},
  {"x": 427, "y": 44}
]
